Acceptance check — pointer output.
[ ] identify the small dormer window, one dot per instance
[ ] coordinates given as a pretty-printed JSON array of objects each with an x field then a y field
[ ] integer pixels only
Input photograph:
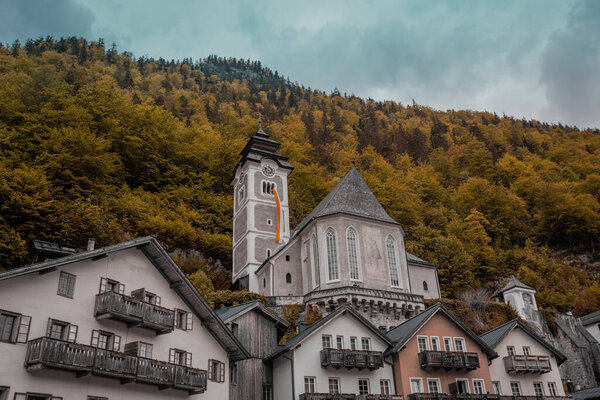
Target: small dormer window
[{"x": 267, "y": 187}]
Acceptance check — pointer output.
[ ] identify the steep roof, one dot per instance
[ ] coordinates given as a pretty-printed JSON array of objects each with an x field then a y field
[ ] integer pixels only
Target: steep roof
[
  {"x": 170, "y": 271},
  {"x": 401, "y": 334},
  {"x": 229, "y": 313},
  {"x": 512, "y": 283},
  {"x": 291, "y": 343},
  {"x": 414, "y": 259},
  {"x": 350, "y": 196},
  {"x": 587, "y": 394},
  {"x": 495, "y": 336},
  {"x": 590, "y": 318}
]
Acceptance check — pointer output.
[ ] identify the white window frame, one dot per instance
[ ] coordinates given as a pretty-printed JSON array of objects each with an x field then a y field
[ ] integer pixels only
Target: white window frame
[
  {"x": 393, "y": 258},
  {"x": 333, "y": 263},
  {"x": 451, "y": 347},
  {"x": 339, "y": 342},
  {"x": 385, "y": 386},
  {"x": 439, "y": 385},
  {"x": 336, "y": 380},
  {"x": 510, "y": 350},
  {"x": 323, "y": 341},
  {"x": 482, "y": 386},
  {"x": 518, "y": 387},
  {"x": 464, "y": 344},
  {"x": 435, "y": 339},
  {"x": 497, "y": 388},
  {"x": 353, "y": 343},
  {"x": 421, "y": 337},
  {"x": 368, "y": 385},
  {"x": 463, "y": 380},
  {"x": 366, "y": 340},
  {"x": 541, "y": 386},
  {"x": 552, "y": 389},
  {"x": 357, "y": 254},
  {"x": 526, "y": 350},
  {"x": 420, "y": 384},
  {"x": 310, "y": 381}
]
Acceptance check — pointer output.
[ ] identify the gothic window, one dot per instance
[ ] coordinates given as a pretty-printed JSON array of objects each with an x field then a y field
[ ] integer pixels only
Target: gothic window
[
  {"x": 332, "y": 262},
  {"x": 267, "y": 187},
  {"x": 315, "y": 262},
  {"x": 353, "y": 257},
  {"x": 390, "y": 244},
  {"x": 288, "y": 278}
]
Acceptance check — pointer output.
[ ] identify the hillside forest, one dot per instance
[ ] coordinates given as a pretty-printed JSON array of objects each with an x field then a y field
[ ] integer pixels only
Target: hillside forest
[{"x": 97, "y": 143}]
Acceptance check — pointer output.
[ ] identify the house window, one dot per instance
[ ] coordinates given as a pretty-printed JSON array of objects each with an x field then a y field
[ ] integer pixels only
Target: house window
[
  {"x": 145, "y": 350},
  {"x": 7, "y": 327},
  {"x": 538, "y": 388},
  {"x": 435, "y": 343},
  {"x": 334, "y": 385},
  {"x": 416, "y": 385},
  {"x": 363, "y": 386},
  {"x": 288, "y": 278},
  {"x": 4, "y": 392},
  {"x": 353, "y": 343},
  {"x": 66, "y": 285},
  {"x": 365, "y": 343},
  {"x": 459, "y": 345},
  {"x": 496, "y": 388},
  {"x": 268, "y": 253},
  {"x": 96, "y": 398},
  {"x": 216, "y": 371},
  {"x": 241, "y": 194},
  {"x": 510, "y": 350},
  {"x": 267, "y": 187},
  {"x": 423, "y": 343},
  {"x": 61, "y": 330},
  {"x": 105, "y": 340},
  {"x": 526, "y": 350},
  {"x": 339, "y": 341},
  {"x": 109, "y": 285},
  {"x": 462, "y": 386},
  {"x": 35, "y": 396},
  {"x": 233, "y": 373},
  {"x": 390, "y": 244},
  {"x": 287, "y": 257},
  {"x": 267, "y": 393},
  {"x": 384, "y": 386},
  {"x": 353, "y": 257},
  {"x": 515, "y": 388},
  {"x": 184, "y": 358},
  {"x": 552, "y": 389},
  {"x": 425, "y": 287},
  {"x": 447, "y": 344},
  {"x": 332, "y": 262},
  {"x": 478, "y": 386},
  {"x": 183, "y": 320},
  {"x": 326, "y": 341},
  {"x": 309, "y": 384},
  {"x": 315, "y": 257},
  {"x": 433, "y": 385}
]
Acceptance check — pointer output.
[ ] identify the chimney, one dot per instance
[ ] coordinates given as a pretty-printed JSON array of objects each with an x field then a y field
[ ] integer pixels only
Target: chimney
[{"x": 91, "y": 245}]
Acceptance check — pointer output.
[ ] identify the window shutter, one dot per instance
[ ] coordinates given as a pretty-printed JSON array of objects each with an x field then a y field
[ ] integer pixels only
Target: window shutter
[
  {"x": 103, "y": 285},
  {"x": 49, "y": 327},
  {"x": 71, "y": 285},
  {"x": 121, "y": 288},
  {"x": 23, "y": 334},
  {"x": 172, "y": 356},
  {"x": 189, "y": 322},
  {"x": 157, "y": 300},
  {"x": 116, "y": 343},
  {"x": 138, "y": 294},
  {"x": 188, "y": 359},
  {"x": 73, "y": 333},
  {"x": 211, "y": 374},
  {"x": 20, "y": 396},
  {"x": 95, "y": 337},
  {"x": 132, "y": 348},
  {"x": 221, "y": 372}
]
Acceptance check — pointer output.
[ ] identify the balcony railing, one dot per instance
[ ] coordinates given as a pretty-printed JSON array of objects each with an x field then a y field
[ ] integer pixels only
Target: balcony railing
[
  {"x": 327, "y": 396},
  {"x": 527, "y": 364},
  {"x": 57, "y": 354},
  {"x": 351, "y": 359},
  {"x": 448, "y": 359},
  {"x": 135, "y": 312},
  {"x": 379, "y": 397},
  {"x": 467, "y": 396}
]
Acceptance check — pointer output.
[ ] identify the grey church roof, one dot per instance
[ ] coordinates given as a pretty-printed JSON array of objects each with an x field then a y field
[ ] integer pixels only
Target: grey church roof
[
  {"x": 406, "y": 330},
  {"x": 512, "y": 283},
  {"x": 169, "y": 270},
  {"x": 493, "y": 337},
  {"x": 590, "y": 318},
  {"x": 350, "y": 196}
]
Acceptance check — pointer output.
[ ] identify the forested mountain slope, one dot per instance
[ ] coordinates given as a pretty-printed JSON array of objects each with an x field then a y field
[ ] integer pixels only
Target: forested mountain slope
[{"x": 95, "y": 143}]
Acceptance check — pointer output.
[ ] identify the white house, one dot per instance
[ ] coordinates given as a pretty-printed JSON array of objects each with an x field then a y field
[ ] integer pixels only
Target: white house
[
  {"x": 521, "y": 298},
  {"x": 339, "y": 354},
  {"x": 120, "y": 322},
  {"x": 527, "y": 365}
]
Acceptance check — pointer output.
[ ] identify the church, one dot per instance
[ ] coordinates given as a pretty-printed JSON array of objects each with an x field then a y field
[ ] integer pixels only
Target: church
[{"x": 348, "y": 250}]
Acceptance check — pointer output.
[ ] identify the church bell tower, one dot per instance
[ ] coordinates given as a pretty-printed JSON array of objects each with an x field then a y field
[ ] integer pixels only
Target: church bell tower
[{"x": 260, "y": 207}]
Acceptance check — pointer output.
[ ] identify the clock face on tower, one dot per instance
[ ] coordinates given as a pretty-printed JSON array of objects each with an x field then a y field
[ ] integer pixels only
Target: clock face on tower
[{"x": 268, "y": 170}]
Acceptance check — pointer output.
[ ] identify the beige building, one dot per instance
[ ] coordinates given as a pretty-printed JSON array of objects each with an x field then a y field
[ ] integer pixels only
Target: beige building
[{"x": 120, "y": 323}]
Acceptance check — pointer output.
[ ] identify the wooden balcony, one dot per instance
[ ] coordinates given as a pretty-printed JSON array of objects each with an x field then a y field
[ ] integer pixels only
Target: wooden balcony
[
  {"x": 327, "y": 396},
  {"x": 430, "y": 359},
  {"x": 351, "y": 359},
  {"x": 86, "y": 360},
  {"x": 467, "y": 396},
  {"x": 134, "y": 312},
  {"x": 521, "y": 364}
]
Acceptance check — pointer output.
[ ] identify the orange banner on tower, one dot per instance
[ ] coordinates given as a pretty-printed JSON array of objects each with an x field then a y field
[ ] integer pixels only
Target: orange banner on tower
[{"x": 278, "y": 214}]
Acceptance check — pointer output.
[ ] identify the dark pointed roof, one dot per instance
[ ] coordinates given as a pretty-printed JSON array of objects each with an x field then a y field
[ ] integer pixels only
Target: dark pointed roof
[
  {"x": 229, "y": 313},
  {"x": 406, "y": 330},
  {"x": 493, "y": 337},
  {"x": 262, "y": 146},
  {"x": 350, "y": 196},
  {"x": 512, "y": 283}
]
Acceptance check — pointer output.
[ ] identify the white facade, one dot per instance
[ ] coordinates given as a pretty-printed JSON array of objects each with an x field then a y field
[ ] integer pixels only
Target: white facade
[
  {"x": 303, "y": 361},
  {"x": 522, "y": 342},
  {"x": 523, "y": 301},
  {"x": 35, "y": 295}
]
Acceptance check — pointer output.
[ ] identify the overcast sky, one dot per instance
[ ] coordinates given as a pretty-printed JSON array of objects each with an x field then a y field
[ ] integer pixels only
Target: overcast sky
[{"x": 533, "y": 59}]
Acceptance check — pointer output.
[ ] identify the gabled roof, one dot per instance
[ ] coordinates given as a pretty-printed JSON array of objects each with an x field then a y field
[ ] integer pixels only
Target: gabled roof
[
  {"x": 170, "y": 271},
  {"x": 293, "y": 342},
  {"x": 401, "y": 334},
  {"x": 495, "y": 336},
  {"x": 350, "y": 196},
  {"x": 411, "y": 258},
  {"x": 512, "y": 283},
  {"x": 589, "y": 393},
  {"x": 228, "y": 314},
  {"x": 590, "y": 318}
]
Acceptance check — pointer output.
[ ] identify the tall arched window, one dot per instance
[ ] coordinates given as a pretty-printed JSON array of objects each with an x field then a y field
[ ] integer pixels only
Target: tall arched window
[
  {"x": 425, "y": 286},
  {"x": 332, "y": 262},
  {"x": 315, "y": 262},
  {"x": 353, "y": 257},
  {"x": 390, "y": 245}
]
